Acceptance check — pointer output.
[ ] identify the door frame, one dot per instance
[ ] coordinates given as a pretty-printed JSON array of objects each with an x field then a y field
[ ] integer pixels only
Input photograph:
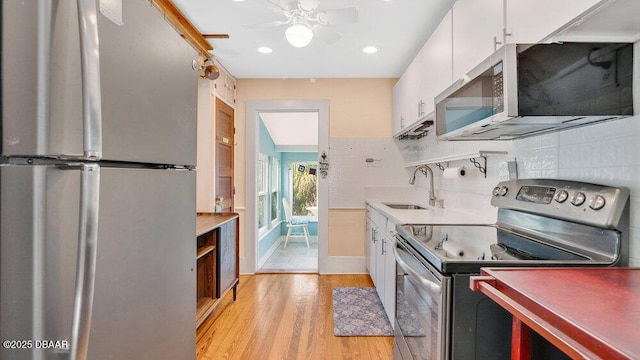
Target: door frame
[{"x": 253, "y": 108}]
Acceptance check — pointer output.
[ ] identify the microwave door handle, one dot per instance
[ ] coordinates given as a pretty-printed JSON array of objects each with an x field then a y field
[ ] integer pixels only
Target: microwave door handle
[
  {"x": 434, "y": 287},
  {"x": 91, "y": 90},
  {"x": 86, "y": 260}
]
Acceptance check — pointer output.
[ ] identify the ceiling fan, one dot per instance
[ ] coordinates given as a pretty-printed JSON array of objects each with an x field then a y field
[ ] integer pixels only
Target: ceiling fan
[{"x": 304, "y": 22}]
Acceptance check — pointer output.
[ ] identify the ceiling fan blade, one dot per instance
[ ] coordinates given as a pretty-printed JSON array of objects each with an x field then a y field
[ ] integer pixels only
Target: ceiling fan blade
[
  {"x": 266, "y": 24},
  {"x": 283, "y": 5},
  {"x": 325, "y": 34},
  {"x": 339, "y": 16},
  {"x": 308, "y": 5}
]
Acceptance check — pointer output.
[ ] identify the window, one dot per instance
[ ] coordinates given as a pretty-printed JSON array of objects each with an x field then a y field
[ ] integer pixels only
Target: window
[
  {"x": 262, "y": 191},
  {"x": 275, "y": 192},
  {"x": 304, "y": 188}
]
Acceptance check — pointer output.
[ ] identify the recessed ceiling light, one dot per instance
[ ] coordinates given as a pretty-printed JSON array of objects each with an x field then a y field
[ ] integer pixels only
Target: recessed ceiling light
[
  {"x": 265, "y": 50},
  {"x": 370, "y": 49},
  {"x": 243, "y": 0}
]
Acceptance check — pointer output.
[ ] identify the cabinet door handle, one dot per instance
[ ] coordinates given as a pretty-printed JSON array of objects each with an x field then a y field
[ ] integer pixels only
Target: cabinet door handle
[
  {"x": 496, "y": 43},
  {"x": 383, "y": 251}
]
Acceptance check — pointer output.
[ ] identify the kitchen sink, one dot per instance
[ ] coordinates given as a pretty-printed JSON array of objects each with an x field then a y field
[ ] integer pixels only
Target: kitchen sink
[{"x": 405, "y": 206}]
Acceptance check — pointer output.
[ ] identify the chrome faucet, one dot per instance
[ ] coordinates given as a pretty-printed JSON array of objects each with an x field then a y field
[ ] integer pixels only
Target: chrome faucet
[{"x": 426, "y": 171}]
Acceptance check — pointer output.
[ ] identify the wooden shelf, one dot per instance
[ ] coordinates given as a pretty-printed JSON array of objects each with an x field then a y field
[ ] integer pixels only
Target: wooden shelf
[
  {"x": 204, "y": 251},
  {"x": 204, "y": 306},
  {"x": 217, "y": 261}
]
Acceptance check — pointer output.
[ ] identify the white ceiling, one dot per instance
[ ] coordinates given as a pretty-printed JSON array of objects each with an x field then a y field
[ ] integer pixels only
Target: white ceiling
[
  {"x": 292, "y": 128},
  {"x": 399, "y": 27}
]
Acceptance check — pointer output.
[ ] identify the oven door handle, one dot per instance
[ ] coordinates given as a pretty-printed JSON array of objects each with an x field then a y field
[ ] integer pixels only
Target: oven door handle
[{"x": 431, "y": 285}]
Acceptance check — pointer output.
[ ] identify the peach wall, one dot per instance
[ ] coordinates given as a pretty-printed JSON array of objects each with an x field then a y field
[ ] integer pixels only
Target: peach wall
[
  {"x": 358, "y": 108},
  {"x": 345, "y": 226}
]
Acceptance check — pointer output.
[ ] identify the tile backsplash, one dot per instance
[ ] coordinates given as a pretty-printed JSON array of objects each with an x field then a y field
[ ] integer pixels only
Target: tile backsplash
[
  {"x": 607, "y": 153},
  {"x": 350, "y": 173}
]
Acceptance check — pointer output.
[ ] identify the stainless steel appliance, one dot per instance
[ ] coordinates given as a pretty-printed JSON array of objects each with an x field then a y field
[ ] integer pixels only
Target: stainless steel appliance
[
  {"x": 97, "y": 201},
  {"x": 526, "y": 90},
  {"x": 540, "y": 223}
]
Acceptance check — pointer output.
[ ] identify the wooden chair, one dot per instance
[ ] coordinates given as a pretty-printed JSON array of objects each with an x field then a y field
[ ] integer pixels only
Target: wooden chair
[{"x": 294, "y": 223}]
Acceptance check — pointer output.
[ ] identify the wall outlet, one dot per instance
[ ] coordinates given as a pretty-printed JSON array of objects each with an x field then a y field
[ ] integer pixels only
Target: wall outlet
[{"x": 507, "y": 170}]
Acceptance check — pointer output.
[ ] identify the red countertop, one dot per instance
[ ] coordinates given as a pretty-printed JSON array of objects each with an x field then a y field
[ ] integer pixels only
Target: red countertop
[{"x": 586, "y": 312}]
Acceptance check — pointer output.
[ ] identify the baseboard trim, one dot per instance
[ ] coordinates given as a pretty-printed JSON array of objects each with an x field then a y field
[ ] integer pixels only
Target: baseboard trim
[
  {"x": 269, "y": 252},
  {"x": 332, "y": 265},
  {"x": 344, "y": 265}
]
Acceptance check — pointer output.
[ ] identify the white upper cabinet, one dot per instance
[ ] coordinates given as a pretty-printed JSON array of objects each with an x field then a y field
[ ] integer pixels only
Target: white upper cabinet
[
  {"x": 427, "y": 75},
  {"x": 224, "y": 87},
  {"x": 476, "y": 23},
  {"x": 401, "y": 102},
  {"x": 611, "y": 21},
  {"x": 473, "y": 29},
  {"x": 481, "y": 26},
  {"x": 530, "y": 21},
  {"x": 437, "y": 58},
  {"x": 407, "y": 95}
]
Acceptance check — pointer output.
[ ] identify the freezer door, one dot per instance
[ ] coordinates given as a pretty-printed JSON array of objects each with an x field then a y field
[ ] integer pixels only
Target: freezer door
[
  {"x": 147, "y": 91},
  {"x": 144, "y": 297}
]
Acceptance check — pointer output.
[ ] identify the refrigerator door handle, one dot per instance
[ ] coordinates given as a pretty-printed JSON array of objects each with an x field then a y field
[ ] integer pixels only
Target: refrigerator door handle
[
  {"x": 86, "y": 260},
  {"x": 91, "y": 96}
]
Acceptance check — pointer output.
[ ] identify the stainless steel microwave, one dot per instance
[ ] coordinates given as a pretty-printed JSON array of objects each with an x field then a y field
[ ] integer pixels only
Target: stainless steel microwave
[{"x": 525, "y": 90}]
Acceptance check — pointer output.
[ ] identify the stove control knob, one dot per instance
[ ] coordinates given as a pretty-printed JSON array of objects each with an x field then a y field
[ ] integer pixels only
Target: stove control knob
[
  {"x": 504, "y": 190},
  {"x": 597, "y": 202},
  {"x": 561, "y": 196},
  {"x": 496, "y": 191},
  {"x": 578, "y": 199}
]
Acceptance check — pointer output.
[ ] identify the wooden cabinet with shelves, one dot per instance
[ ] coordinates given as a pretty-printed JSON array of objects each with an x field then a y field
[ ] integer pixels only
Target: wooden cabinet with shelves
[
  {"x": 206, "y": 273},
  {"x": 216, "y": 142},
  {"x": 218, "y": 268}
]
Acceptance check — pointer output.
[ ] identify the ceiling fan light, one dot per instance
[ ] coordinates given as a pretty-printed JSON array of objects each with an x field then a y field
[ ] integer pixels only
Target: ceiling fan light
[{"x": 299, "y": 35}]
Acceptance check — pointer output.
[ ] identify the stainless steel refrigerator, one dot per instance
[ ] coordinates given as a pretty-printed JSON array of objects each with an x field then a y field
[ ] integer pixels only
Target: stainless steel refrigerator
[{"x": 97, "y": 201}]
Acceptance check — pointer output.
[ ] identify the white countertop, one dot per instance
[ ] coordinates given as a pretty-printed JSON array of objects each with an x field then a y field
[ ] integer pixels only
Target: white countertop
[{"x": 430, "y": 215}]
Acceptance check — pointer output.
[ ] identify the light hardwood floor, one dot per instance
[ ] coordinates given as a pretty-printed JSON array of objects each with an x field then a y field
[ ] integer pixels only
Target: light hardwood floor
[{"x": 285, "y": 316}]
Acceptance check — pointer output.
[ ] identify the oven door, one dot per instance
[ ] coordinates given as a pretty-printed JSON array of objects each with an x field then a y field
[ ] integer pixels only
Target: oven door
[{"x": 422, "y": 307}]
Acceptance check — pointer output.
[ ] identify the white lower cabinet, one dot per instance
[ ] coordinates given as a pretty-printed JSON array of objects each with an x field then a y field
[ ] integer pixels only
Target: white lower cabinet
[
  {"x": 389, "y": 283},
  {"x": 381, "y": 262}
]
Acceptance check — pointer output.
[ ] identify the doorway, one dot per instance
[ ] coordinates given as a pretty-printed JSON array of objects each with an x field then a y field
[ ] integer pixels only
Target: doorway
[{"x": 261, "y": 200}]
